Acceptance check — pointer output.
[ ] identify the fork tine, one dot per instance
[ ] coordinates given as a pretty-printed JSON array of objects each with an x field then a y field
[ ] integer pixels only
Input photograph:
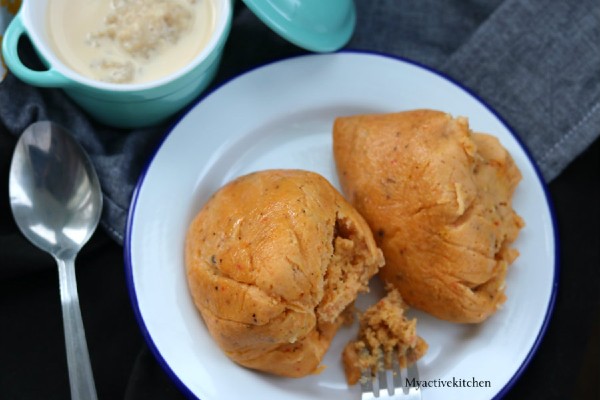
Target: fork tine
[
  {"x": 366, "y": 381},
  {"x": 396, "y": 372},
  {"x": 412, "y": 374},
  {"x": 382, "y": 381}
]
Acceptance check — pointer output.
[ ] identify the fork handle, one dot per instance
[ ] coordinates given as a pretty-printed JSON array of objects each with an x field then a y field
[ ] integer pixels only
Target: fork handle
[{"x": 81, "y": 379}]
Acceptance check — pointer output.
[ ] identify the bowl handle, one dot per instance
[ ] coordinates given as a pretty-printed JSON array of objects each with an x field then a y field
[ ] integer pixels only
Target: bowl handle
[{"x": 10, "y": 41}]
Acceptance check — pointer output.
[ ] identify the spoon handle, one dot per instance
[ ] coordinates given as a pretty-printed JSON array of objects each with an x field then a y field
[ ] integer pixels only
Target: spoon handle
[{"x": 81, "y": 378}]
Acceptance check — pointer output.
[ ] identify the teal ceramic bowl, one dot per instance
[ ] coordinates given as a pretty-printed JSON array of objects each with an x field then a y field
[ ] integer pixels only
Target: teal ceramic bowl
[{"x": 119, "y": 105}]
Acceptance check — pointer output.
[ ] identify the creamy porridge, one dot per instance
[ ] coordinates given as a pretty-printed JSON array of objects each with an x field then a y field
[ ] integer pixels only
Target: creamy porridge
[{"x": 129, "y": 41}]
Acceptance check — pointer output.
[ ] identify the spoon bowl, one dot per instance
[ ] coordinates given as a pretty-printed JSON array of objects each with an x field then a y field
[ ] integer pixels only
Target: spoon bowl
[{"x": 56, "y": 202}]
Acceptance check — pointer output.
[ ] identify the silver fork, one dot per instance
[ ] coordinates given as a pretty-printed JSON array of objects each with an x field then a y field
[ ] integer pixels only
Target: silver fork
[{"x": 391, "y": 384}]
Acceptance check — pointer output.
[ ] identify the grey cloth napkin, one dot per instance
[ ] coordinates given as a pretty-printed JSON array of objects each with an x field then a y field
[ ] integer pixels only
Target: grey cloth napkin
[{"x": 536, "y": 62}]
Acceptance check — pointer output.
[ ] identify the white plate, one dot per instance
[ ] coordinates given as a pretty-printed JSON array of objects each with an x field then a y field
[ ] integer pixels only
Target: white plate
[{"x": 280, "y": 116}]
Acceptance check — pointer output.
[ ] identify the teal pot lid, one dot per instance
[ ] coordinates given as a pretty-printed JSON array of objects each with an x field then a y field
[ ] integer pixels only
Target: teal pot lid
[{"x": 315, "y": 25}]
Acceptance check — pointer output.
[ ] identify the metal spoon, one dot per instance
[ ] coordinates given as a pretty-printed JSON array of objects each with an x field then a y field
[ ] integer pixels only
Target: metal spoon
[{"x": 56, "y": 201}]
